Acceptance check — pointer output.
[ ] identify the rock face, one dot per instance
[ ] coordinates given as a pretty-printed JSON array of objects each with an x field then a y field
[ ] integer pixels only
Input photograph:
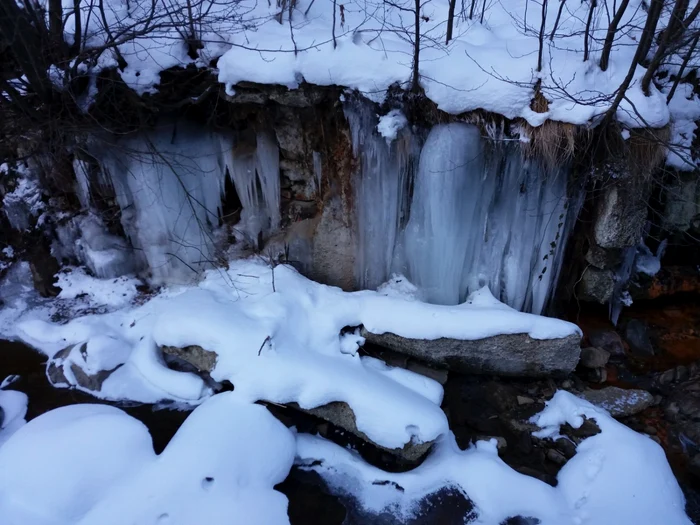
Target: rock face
[
  {"x": 507, "y": 355},
  {"x": 619, "y": 402},
  {"x": 338, "y": 413}
]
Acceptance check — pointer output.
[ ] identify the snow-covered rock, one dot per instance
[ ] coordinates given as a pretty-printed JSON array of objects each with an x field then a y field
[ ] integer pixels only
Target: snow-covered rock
[
  {"x": 508, "y": 355},
  {"x": 95, "y": 465}
]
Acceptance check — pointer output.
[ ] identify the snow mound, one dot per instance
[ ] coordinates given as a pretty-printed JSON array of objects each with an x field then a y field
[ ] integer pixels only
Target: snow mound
[
  {"x": 88, "y": 460},
  {"x": 617, "y": 477},
  {"x": 13, "y": 408},
  {"x": 277, "y": 336}
]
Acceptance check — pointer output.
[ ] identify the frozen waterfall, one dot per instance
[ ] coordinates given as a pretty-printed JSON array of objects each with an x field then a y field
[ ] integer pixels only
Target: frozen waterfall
[
  {"x": 479, "y": 215},
  {"x": 169, "y": 184},
  {"x": 381, "y": 191}
]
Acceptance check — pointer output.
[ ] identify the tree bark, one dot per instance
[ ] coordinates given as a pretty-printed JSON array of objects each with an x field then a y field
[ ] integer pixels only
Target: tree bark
[
  {"x": 450, "y": 20},
  {"x": 610, "y": 35}
]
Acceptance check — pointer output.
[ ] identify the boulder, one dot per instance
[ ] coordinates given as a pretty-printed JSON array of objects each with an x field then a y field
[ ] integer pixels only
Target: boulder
[
  {"x": 341, "y": 415},
  {"x": 619, "y": 402},
  {"x": 608, "y": 340},
  {"x": 508, "y": 355},
  {"x": 338, "y": 413},
  {"x": 203, "y": 360},
  {"x": 596, "y": 285},
  {"x": 593, "y": 357},
  {"x": 637, "y": 338},
  {"x": 74, "y": 376},
  {"x": 621, "y": 215}
]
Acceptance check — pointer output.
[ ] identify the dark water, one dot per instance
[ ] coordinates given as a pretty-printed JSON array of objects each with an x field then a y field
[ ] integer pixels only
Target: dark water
[{"x": 16, "y": 358}]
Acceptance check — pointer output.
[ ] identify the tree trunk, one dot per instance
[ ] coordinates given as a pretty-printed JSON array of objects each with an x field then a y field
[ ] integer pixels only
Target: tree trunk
[
  {"x": 415, "y": 84},
  {"x": 610, "y": 35},
  {"x": 450, "y": 20},
  {"x": 587, "y": 35}
]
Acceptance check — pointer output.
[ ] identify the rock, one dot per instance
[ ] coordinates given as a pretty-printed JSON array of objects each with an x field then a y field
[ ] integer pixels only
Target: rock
[
  {"x": 501, "y": 443},
  {"x": 682, "y": 197},
  {"x": 341, "y": 415},
  {"x": 666, "y": 378},
  {"x": 607, "y": 340},
  {"x": 694, "y": 466},
  {"x": 508, "y": 355},
  {"x": 620, "y": 216},
  {"x": 78, "y": 378},
  {"x": 598, "y": 375},
  {"x": 596, "y": 285},
  {"x": 338, "y": 413},
  {"x": 439, "y": 375},
  {"x": 588, "y": 428},
  {"x": 637, "y": 338},
  {"x": 670, "y": 280},
  {"x": 203, "y": 360},
  {"x": 594, "y": 357},
  {"x": 619, "y": 402},
  {"x": 556, "y": 457},
  {"x": 522, "y": 400}
]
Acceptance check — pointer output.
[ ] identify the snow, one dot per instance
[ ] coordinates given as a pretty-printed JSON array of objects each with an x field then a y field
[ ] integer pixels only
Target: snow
[
  {"x": 13, "y": 408},
  {"x": 75, "y": 282},
  {"x": 281, "y": 345},
  {"x": 685, "y": 110},
  {"x": 617, "y": 477},
  {"x": 490, "y": 64},
  {"x": 391, "y": 123},
  {"x": 23, "y": 203},
  {"x": 223, "y": 461}
]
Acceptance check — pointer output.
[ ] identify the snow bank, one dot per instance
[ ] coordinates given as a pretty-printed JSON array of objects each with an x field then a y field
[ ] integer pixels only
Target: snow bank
[
  {"x": 13, "y": 408},
  {"x": 277, "y": 336},
  {"x": 80, "y": 464},
  {"x": 617, "y": 477}
]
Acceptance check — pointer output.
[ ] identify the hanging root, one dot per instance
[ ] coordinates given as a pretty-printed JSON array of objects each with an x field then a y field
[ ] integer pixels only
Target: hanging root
[{"x": 553, "y": 141}]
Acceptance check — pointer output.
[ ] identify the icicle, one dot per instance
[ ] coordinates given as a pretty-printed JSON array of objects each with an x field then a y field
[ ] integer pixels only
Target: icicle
[
  {"x": 482, "y": 216},
  {"x": 267, "y": 156},
  {"x": 622, "y": 277},
  {"x": 447, "y": 200},
  {"x": 81, "y": 176},
  {"x": 168, "y": 184},
  {"x": 255, "y": 174},
  {"x": 381, "y": 192},
  {"x": 318, "y": 171}
]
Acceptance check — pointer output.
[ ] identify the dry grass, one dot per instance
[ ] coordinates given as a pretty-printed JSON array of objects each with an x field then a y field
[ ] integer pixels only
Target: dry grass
[
  {"x": 645, "y": 149},
  {"x": 554, "y": 142}
]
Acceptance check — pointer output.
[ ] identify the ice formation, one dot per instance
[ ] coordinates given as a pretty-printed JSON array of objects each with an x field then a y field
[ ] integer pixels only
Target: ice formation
[
  {"x": 169, "y": 185},
  {"x": 480, "y": 215},
  {"x": 381, "y": 193}
]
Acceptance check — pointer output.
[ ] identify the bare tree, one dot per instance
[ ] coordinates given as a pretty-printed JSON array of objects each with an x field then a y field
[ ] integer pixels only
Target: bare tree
[{"x": 610, "y": 34}]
